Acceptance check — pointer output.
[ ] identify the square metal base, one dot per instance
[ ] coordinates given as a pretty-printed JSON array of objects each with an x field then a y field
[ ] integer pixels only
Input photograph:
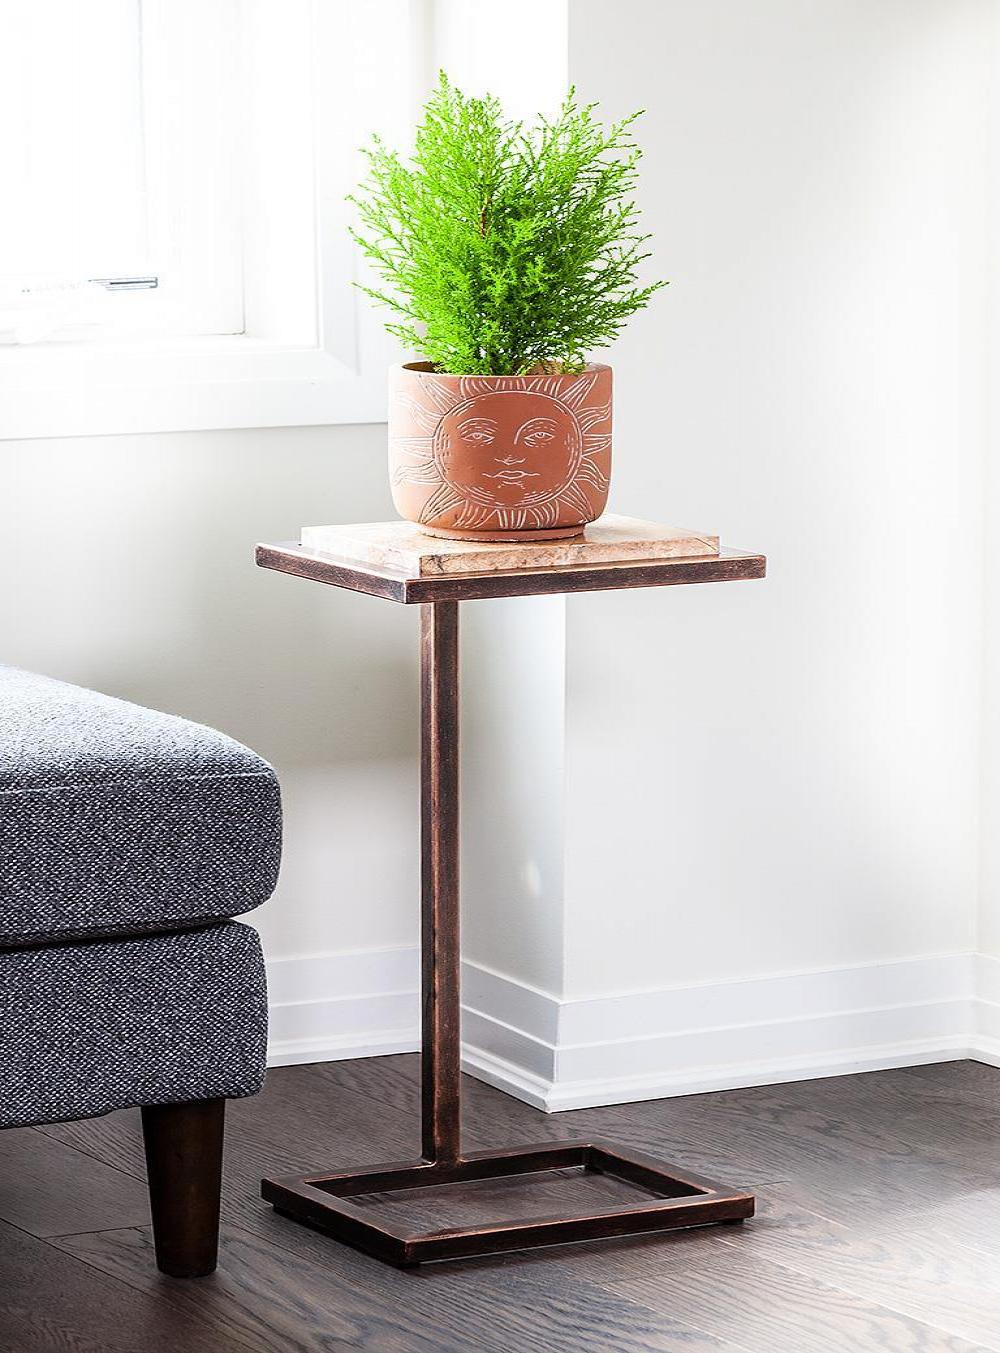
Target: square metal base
[{"x": 681, "y": 1200}]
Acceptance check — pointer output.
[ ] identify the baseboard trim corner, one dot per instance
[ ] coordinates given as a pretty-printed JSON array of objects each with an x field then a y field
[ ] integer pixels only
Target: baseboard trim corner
[{"x": 573, "y": 1054}]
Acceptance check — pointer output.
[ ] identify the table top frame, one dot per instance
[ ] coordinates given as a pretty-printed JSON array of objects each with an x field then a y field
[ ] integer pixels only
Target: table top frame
[
  {"x": 357, "y": 576},
  {"x": 673, "y": 1197}
]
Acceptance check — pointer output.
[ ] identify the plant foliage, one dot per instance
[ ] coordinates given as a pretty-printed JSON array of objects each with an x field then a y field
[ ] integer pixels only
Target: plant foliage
[{"x": 505, "y": 249}]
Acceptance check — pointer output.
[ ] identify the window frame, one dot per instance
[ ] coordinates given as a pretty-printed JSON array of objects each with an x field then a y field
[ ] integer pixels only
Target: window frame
[{"x": 318, "y": 78}]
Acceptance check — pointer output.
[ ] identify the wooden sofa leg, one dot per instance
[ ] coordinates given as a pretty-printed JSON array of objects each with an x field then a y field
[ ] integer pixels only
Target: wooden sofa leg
[{"x": 184, "y": 1167}]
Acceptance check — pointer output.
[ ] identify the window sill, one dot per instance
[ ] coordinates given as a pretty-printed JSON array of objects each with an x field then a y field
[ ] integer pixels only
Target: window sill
[{"x": 94, "y": 389}]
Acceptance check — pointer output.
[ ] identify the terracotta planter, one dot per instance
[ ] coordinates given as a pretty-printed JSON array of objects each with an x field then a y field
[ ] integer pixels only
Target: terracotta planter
[{"x": 499, "y": 457}]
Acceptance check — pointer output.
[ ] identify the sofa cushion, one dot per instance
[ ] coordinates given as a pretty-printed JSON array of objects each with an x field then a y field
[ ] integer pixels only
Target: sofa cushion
[
  {"x": 116, "y": 819},
  {"x": 109, "y": 1024}
]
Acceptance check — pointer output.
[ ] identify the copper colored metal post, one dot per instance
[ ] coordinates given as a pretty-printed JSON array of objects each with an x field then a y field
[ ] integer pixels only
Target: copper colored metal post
[{"x": 439, "y": 911}]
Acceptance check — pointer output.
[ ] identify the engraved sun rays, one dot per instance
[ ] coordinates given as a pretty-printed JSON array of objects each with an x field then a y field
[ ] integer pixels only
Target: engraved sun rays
[{"x": 513, "y": 453}]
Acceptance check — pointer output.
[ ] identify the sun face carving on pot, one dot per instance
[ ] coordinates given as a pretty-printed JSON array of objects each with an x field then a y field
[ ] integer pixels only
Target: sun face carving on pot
[
  {"x": 508, "y": 449},
  {"x": 517, "y": 454}
]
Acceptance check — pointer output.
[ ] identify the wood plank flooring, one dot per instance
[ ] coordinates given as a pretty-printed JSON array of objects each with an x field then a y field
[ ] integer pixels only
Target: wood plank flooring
[{"x": 879, "y": 1196}]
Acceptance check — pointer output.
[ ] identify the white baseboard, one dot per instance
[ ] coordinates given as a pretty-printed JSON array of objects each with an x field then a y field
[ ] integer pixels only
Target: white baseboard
[
  {"x": 578, "y": 1053},
  {"x": 329, "y": 1007},
  {"x": 987, "y": 1010}
]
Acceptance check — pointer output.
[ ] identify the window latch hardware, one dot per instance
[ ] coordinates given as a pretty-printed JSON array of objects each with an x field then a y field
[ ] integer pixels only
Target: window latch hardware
[{"x": 126, "y": 283}]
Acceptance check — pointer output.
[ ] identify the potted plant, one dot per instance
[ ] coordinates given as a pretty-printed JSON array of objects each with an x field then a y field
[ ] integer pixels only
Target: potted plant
[{"x": 510, "y": 255}]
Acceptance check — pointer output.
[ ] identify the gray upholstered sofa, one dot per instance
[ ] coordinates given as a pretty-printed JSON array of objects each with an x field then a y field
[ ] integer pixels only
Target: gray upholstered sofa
[{"x": 127, "y": 840}]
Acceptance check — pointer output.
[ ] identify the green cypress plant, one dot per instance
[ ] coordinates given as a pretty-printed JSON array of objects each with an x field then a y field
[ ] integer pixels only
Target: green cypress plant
[{"x": 505, "y": 249}]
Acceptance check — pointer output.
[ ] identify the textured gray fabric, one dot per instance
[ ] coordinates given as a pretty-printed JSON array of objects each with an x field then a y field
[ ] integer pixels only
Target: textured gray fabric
[
  {"x": 116, "y": 819},
  {"x": 87, "y": 1028}
]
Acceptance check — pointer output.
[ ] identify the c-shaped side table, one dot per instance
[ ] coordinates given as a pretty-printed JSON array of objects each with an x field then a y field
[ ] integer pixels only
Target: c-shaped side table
[{"x": 668, "y": 1197}]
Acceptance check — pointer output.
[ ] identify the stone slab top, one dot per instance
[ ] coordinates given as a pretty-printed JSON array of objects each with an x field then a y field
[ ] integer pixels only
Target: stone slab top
[
  {"x": 396, "y": 561},
  {"x": 402, "y": 545}
]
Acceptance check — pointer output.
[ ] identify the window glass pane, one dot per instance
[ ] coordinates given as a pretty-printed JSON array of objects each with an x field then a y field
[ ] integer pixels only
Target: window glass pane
[{"x": 71, "y": 152}]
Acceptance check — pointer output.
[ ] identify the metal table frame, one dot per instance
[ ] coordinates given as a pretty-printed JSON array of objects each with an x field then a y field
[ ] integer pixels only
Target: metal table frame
[{"x": 672, "y": 1197}]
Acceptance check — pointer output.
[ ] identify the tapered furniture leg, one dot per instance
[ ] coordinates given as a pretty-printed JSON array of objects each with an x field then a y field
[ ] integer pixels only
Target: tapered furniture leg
[
  {"x": 184, "y": 1166},
  {"x": 126, "y": 838}
]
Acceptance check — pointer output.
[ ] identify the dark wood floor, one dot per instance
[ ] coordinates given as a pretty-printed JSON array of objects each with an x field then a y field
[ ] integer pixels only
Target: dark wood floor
[{"x": 879, "y": 1202}]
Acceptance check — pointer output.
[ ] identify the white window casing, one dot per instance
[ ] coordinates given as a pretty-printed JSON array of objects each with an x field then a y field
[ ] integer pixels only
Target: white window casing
[{"x": 253, "y": 113}]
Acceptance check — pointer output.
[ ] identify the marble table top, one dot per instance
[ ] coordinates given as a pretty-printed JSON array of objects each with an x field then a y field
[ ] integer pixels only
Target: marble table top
[
  {"x": 395, "y": 561},
  {"x": 402, "y": 545}
]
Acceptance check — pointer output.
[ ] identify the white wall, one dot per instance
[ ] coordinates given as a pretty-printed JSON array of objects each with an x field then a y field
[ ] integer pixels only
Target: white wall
[
  {"x": 742, "y": 843},
  {"x": 989, "y": 919},
  {"x": 772, "y": 790},
  {"x": 782, "y": 776}
]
